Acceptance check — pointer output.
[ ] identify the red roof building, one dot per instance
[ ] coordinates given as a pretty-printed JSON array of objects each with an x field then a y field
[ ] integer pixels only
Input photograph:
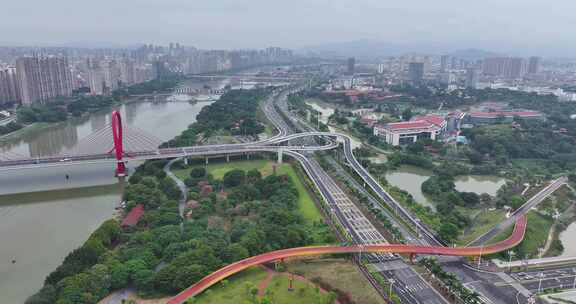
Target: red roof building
[
  {"x": 133, "y": 216},
  {"x": 522, "y": 114},
  {"x": 501, "y": 116},
  {"x": 399, "y": 133}
]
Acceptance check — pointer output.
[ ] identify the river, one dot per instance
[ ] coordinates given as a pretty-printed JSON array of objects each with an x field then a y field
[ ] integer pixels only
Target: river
[
  {"x": 410, "y": 179},
  {"x": 567, "y": 239},
  {"x": 38, "y": 229}
]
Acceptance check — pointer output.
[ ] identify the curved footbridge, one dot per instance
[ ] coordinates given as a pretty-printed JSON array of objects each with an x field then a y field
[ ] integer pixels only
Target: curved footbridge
[{"x": 515, "y": 238}]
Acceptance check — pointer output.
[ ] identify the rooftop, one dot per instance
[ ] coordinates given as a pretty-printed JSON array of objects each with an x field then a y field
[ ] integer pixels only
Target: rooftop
[
  {"x": 133, "y": 216},
  {"x": 505, "y": 114},
  {"x": 433, "y": 119},
  {"x": 415, "y": 124}
]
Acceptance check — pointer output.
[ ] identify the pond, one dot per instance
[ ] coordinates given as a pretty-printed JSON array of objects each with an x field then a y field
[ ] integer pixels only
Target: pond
[{"x": 410, "y": 179}]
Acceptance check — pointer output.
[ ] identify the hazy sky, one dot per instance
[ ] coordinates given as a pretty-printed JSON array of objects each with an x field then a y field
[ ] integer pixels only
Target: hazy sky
[{"x": 502, "y": 24}]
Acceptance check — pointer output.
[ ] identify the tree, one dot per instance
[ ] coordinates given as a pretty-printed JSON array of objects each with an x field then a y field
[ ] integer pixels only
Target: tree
[
  {"x": 448, "y": 232},
  {"x": 407, "y": 114},
  {"x": 144, "y": 279},
  {"x": 470, "y": 198},
  {"x": 253, "y": 176},
  {"x": 234, "y": 178},
  {"x": 165, "y": 278},
  {"x": 47, "y": 295},
  {"x": 235, "y": 252},
  {"x": 332, "y": 297},
  {"x": 197, "y": 172},
  {"x": 119, "y": 276},
  {"x": 188, "y": 275}
]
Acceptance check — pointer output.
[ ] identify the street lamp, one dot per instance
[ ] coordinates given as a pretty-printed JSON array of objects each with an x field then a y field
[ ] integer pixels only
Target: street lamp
[
  {"x": 511, "y": 253},
  {"x": 480, "y": 256},
  {"x": 540, "y": 281},
  {"x": 392, "y": 281}
]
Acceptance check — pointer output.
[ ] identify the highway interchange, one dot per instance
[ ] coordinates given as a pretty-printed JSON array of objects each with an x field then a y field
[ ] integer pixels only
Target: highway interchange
[{"x": 408, "y": 285}]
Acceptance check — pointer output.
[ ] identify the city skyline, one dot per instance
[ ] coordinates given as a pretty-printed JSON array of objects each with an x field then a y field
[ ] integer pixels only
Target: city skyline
[{"x": 491, "y": 24}]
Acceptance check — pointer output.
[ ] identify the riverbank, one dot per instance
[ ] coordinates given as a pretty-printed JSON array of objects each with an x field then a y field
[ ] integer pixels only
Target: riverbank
[
  {"x": 38, "y": 126},
  {"x": 50, "y": 224}
]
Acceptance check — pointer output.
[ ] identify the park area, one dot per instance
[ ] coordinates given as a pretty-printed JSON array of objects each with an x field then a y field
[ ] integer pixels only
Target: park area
[
  {"x": 313, "y": 281},
  {"x": 306, "y": 204}
]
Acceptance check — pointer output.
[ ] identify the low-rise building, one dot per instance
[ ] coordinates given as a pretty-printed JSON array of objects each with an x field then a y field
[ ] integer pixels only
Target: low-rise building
[
  {"x": 500, "y": 116},
  {"x": 132, "y": 218},
  {"x": 407, "y": 132},
  {"x": 362, "y": 111}
]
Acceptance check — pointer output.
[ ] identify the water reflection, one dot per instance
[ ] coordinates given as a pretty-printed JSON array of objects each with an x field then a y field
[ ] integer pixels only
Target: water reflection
[
  {"x": 48, "y": 227},
  {"x": 568, "y": 238},
  {"x": 53, "y": 141},
  {"x": 98, "y": 122},
  {"x": 410, "y": 179},
  {"x": 153, "y": 118}
]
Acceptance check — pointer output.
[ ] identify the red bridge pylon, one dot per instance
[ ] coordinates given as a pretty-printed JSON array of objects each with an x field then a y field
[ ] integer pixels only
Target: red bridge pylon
[{"x": 118, "y": 146}]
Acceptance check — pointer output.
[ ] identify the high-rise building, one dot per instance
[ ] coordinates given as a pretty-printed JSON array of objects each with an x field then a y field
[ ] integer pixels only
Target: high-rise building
[
  {"x": 96, "y": 81},
  {"x": 111, "y": 75},
  {"x": 533, "y": 65},
  {"x": 380, "y": 68},
  {"x": 43, "y": 78},
  {"x": 448, "y": 78},
  {"x": 9, "y": 88},
  {"x": 351, "y": 66},
  {"x": 160, "y": 70},
  {"x": 444, "y": 63},
  {"x": 127, "y": 72},
  {"x": 454, "y": 63},
  {"x": 494, "y": 66},
  {"x": 509, "y": 67},
  {"x": 415, "y": 72},
  {"x": 516, "y": 68},
  {"x": 471, "y": 78}
]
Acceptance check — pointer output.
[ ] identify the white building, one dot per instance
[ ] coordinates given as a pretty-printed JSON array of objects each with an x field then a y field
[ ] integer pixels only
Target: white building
[
  {"x": 407, "y": 132},
  {"x": 362, "y": 111},
  {"x": 96, "y": 81}
]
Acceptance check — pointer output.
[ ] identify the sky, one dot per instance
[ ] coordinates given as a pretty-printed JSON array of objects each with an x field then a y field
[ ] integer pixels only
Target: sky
[{"x": 498, "y": 25}]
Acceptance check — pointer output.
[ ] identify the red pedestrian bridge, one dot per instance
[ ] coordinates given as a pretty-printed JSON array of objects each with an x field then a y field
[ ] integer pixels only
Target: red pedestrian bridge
[{"x": 221, "y": 274}]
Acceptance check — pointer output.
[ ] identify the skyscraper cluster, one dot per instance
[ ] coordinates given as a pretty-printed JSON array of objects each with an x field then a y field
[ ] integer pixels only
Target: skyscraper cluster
[
  {"x": 40, "y": 79},
  {"x": 105, "y": 76},
  {"x": 510, "y": 67},
  {"x": 43, "y": 78}
]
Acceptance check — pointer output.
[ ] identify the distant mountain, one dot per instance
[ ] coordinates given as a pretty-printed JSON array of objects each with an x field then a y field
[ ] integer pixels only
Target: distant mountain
[
  {"x": 371, "y": 49},
  {"x": 474, "y": 54}
]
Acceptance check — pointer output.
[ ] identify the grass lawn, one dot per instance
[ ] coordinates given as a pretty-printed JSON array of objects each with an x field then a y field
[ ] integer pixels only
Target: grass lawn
[
  {"x": 305, "y": 203},
  {"x": 536, "y": 236},
  {"x": 235, "y": 292},
  {"x": 481, "y": 224},
  {"x": 340, "y": 274},
  {"x": 303, "y": 292},
  {"x": 560, "y": 201}
]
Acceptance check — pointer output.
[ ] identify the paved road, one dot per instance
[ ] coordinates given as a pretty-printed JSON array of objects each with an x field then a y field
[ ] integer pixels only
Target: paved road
[
  {"x": 562, "y": 277},
  {"x": 409, "y": 286},
  {"x": 523, "y": 210}
]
